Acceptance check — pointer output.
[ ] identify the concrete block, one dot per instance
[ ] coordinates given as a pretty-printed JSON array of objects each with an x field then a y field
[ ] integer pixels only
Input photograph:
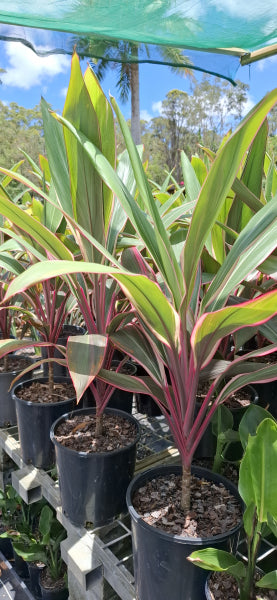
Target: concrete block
[{"x": 26, "y": 483}]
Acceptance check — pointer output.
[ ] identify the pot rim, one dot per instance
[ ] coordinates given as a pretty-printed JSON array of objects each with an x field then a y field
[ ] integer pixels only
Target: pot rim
[
  {"x": 22, "y": 357},
  {"x": 156, "y": 471},
  {"x": 43, "y": 405},
  {"x": 92, "y": 410}
]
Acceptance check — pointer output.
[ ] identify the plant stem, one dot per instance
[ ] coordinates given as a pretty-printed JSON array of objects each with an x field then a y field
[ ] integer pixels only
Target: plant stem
[
  {"x": 50, "y": 377},
  {"x": 98, "y": 424},
  {"x": 185, "y": 489},
  {"x": 247, "y": 586}
]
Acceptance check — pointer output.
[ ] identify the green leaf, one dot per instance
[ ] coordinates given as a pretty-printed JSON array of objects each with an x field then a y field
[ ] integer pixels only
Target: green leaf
[
  {"x": 153, "y": 307},
  {"x": 222, "y": 420},
  {"x": 132, "y": 342},
  {"x": 191, "y": 180},
  {"x": 217, "y": 184},
  {"x": 268, "y": 581},
  {"x": 85, "y": 356},
  {"x": 258, "y": 473},
  {"x": 212, "y": 559},
  {"x": 212, "y": 327},
  {"x": 254, "y": 244},
  {"x": 252, "y": 417},
  {"x": 249, "y": 518},
  {"x": 40, "y": 234},
  {"x": 272, "y": 524}
]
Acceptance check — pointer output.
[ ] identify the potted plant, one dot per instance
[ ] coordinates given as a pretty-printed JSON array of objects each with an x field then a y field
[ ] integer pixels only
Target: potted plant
[
  {"x": 42, "y": 545},
  {"x": 98, "y": 297},
  {"x": 178, "y": 313},
  {"x": 10, "y": 366},
  {"x": 38, "y": 402},
  {"x": 257, "y": 487},
  {"x": 22, "y": 522},
  {"x": 8, "y": 509}
]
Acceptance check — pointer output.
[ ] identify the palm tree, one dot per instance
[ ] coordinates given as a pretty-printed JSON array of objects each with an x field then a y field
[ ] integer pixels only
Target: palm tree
[{"x": 124, "y": 56}]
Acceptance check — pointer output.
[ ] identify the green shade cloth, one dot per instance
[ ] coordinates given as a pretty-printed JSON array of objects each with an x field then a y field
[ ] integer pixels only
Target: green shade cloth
[{"x": 200, "y": 27}]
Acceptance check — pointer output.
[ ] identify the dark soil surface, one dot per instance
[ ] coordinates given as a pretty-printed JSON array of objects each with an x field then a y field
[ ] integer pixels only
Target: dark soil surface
[
  {"x": 228, "y": 470},
  {"x": 238, "y": 399},
  {"x": 224, "y": 587},
  {"x": 13, "y": 364},
  {"x": 78, "y": 433},
  {"x": 50, "y": 584},
  {"x": 214, "y": 510},
  {"x": 39, "y": 392}
]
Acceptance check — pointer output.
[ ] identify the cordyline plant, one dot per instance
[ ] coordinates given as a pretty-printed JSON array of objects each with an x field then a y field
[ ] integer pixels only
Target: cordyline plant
[
  {"x": 92, "y": 215},
  {"x": 178, "y": 319},
  {"x": 258, "y": 488}
]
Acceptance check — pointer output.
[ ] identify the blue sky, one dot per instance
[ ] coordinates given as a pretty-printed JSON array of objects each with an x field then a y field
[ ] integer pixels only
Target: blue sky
[{"x": 28, "y": 77}]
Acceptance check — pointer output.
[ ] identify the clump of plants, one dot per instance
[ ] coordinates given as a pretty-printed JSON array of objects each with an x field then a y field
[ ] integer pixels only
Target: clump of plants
[{"x": 258, "y": 489}]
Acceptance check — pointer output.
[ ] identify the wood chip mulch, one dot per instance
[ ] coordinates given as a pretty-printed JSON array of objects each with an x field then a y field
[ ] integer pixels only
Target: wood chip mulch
[
  {"x": 214, "y": 510},
  {"x": 39, "y": 392},
  {"x": 224, "y": 587},
  {"x": 78, "y": 433},
  {"x": 14, "y": 364}
]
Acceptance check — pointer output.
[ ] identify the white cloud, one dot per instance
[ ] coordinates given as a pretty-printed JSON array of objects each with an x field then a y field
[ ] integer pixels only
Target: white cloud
[
  {"x": 236, "y": 8},
  {"x": 63, "y": 92},
  {"x": 157, "y": 107},
  {"x": 248, "y": 105},
  {"x": 266, "y": 62},
  {"x": 25, "y": 69},
  {"x": 145, "y": 115}
]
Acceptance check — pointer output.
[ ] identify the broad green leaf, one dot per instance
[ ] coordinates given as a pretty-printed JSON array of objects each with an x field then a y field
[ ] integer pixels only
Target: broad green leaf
[
  {"x": 56, "y": 152},
  {"x": 85, "y": 355},
  {"x": 11, "y": 264},
  {"x": 131, "y": 383},
  {"x": 252, "y": 176},
  {"x": 254, "y": 244},
  {"x": 200, "y": 169},
  {"x": 222, "y": 420},
  {"x": 85, "y": 184},
  {"x": 250, "y": 374},
  {"x": 166, "y": 258},
  {"x": 106, "y": 126},
  {"x": 47, "y": 269},
  {"x": 217, "y": 560},
  {"x": 131, "y": 341},
  {"x": 258, "y": 474},
  {"x": 40, "y": 234},
  {"x": 268, "y": 581},
  {"x": 217, "y": 184},
  {"x": 152, "y": 306},
  {"x": 249, "y": 518},
  {"x": 191, "y": 181},
  {"x": 157, "y": 244},
  {"x": 252, "y": 417},
  {"x": 272, "y": 524},
  {"x": 246, "y": 196},
  {"x": 212, "y": 327}
]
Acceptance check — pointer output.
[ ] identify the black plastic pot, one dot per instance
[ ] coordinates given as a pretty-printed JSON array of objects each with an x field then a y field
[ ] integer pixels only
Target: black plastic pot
[
  {"x": 52, "y": 594},
  {"x": 6, "y": 547},
  {"x": 35, "y": 570},
  {"x": 207, "y": 445},
  {"x": 67, "y": 330},
  {"x": 7, "y": 404},
  {"x": 93, "y": 485},
  {"x": 268, "y": 396},
  {"x": 160, "y": 566},
  {"x": 34, "y": 422},
  {"x": 20, "y": 566}
]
